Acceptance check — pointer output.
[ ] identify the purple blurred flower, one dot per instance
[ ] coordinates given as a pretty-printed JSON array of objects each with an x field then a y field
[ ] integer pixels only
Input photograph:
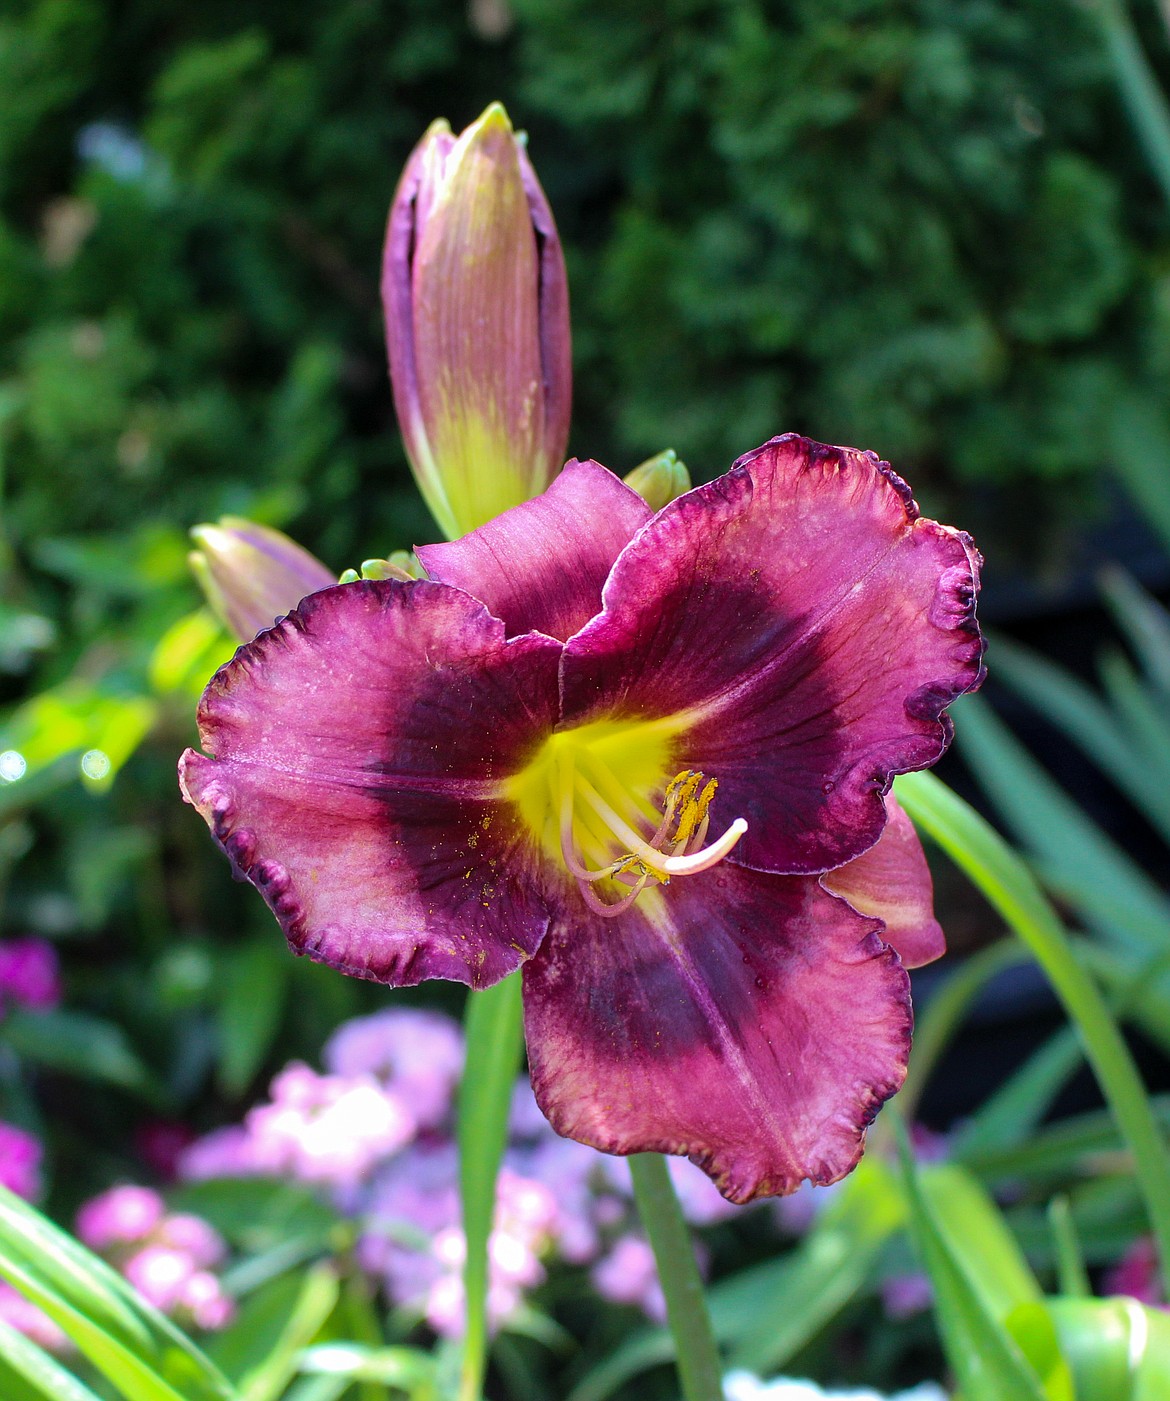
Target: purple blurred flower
[
  {"x": 226, "y": 1152},
  {"x": 629, "y": 1275},
  {"x": 121, "y": 1216},
  {"x": 416, "y": 1055},
  {"x": 515, "y": 762},
  {"x": 413, "y": 1242},
  {"x": 160, "y": 1144},
  {"x": 29, "y": 973},
  {"x": 905, "y": 1295},
  {"x": 20, "y": 1161}
]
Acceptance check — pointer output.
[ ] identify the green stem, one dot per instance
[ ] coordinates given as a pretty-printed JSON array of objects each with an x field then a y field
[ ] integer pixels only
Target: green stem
[
  {"x": 696, "y": 1354},
  {"x": 494, "y": 1037},
  {"x": 1005, "y": 880},
  {"x": 1071, "y": 1277}
]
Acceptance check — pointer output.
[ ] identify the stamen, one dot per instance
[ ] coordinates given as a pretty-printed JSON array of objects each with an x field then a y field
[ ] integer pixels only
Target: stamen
[{"x": 676, "y": 847}]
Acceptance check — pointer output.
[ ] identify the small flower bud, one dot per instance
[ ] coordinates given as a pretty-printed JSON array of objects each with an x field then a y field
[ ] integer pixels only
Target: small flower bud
[
  {"x": 477, "y": 323},
  {"x": 660, "y": 479},
  {"x": 252, "y": 574}
]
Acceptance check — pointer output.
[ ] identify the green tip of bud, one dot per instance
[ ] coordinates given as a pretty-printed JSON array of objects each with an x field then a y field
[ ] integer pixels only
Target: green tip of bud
[
  {"x": 402, "y": 565},
  {"x": 660, "y": 479},
  {"x": 494, "y": 116}
]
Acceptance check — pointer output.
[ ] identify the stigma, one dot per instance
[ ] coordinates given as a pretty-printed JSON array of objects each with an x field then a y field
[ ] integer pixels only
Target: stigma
[{"x": 597, "y": 814}]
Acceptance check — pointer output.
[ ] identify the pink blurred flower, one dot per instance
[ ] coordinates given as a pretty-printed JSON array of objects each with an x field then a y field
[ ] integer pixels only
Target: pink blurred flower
[
  {"x": 160, "y": 1275},
  {"x": 20, "y": 1161},
  {"x": 203, "y": 1298},
  {"x": 29, "y": 973},
  {"x": 226, "y": 1152},
  {"x": 121, "y": 1216},
  {"x": 194, "y": 1237},
  {"x": 1136, "y": 1274},
  {"x": 328, "y": 1128},
  {"x": 418, "y": 1055}
]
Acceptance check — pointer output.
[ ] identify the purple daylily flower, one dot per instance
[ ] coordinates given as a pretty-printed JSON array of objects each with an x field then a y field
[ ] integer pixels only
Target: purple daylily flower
[{"x": 621, "y": 750}]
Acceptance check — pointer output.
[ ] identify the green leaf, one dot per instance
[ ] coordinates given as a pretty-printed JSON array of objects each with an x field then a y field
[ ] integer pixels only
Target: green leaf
[
  {"x": 27, "y": 1373},
  {"x": 404, "y": 1368},
  {"x": 637, "y": 1354},
  {"x": 1008, "y": 1115},
  {"x": 787, "y": 1305},
  {"x": 987, "y": 1361},
  {"x": 1119, "y": 747},
  {"x": 142, "y": 1353},
  {"x": 188, "y": 653},
  {"x": 977, "y": 849},
  {"x": 1118, "y": 1349},
  {"x": 260, "y": 1349},
  {"x": 1074, "y": 855},
  {"x": 78, "y": 1044},
  {"x": 977, "y": 1234},
  {"x": 1144, "y": 621},
  {"x": 255, "y": 984}
]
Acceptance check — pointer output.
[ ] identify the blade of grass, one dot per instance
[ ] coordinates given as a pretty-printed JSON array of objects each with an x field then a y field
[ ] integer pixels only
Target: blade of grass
[
  {"x": 1073, "y": 854},
  {"x": 1072, "y": 1278},
  {"x": 27, "y": 1373},
  {"x": 938, "y": 1022},
  {"x": 1006, "y": 881},
  {"x": 100, "y": 1305},
  {"x": 1120, "y": 747}
]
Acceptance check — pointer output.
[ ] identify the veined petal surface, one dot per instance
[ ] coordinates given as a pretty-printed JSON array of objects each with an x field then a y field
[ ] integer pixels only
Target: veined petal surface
[
  {"x": 751, "y": 1021},
  {"x": 540, "y": 566},
  {"x": 355, "y": 754},
  {"x": 811, "y": 627},
  {"x": 891, "y": 881}
]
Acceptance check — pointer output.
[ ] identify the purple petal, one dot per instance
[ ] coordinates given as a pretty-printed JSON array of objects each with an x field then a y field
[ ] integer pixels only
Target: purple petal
[
  {"x": 891, "y": 882},
  {"x": 540, "y": 567},
  {"x": 809, "y": 628},
  {"x": 356, "y": 752},
  {"x": 750, "y": 1021}
]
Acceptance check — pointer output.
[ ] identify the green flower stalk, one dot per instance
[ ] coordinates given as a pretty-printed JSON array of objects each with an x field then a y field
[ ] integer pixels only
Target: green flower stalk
[{"x": 477, "y": 323}]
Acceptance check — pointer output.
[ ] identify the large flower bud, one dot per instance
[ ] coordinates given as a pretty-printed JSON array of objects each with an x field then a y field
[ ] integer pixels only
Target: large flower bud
[
  {"x": 477, "y": 323},
  {"x": 253, "y": 574}
]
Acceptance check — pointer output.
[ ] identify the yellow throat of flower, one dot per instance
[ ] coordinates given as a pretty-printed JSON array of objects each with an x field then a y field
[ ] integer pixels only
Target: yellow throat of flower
[{"x": 599, "y": 799}]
